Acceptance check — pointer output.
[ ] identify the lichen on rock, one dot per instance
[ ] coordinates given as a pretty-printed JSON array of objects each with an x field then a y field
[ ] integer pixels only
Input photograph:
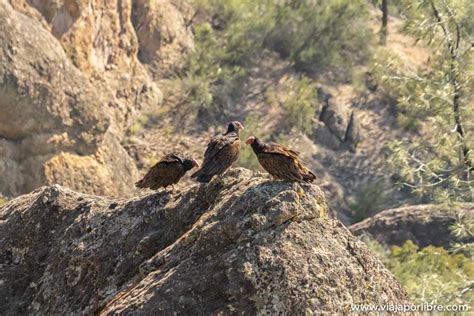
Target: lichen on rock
[{"x": 240, "y": 244}]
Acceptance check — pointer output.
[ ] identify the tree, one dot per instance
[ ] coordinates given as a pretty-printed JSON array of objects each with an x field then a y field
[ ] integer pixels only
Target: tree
[
  {"x": 452, "y": 42},
  {"x": 435, "y": 103},
  {"x": 383, "y": 4},
  {"x": 383, "y": 30}
]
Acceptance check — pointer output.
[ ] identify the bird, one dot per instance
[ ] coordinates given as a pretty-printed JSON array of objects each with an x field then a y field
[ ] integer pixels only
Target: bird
[
  {"x": 282, "y": 163},
  {"x": 168, "y": 171},
  {"x": 222, "y": 151}
]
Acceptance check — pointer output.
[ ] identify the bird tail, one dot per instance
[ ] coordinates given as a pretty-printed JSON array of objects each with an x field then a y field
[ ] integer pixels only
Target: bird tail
[
  {"x": 204, "y": 178},
  {"x": 309, "y": 177},
  {"x": 140, "y": 184},
  {"x": 201, "y": 177}
]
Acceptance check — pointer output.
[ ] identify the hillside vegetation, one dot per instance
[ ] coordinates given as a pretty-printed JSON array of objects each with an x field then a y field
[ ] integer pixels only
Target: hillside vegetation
[
  {"x": 376, "y": 95},
  {"x": 281, "y": 67}
]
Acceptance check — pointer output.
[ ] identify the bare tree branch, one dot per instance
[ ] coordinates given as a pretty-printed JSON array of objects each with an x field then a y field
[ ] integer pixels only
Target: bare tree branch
[{"x": 456, "y": 24}]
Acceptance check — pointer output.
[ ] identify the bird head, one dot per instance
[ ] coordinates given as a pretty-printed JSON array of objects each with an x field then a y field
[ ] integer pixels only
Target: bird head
[
  {"x": 250, "y": 140},
  {"x": 238, "y": 125},
  {"x": 234, "y": 126},
  {"x": 190, "y": 163}
]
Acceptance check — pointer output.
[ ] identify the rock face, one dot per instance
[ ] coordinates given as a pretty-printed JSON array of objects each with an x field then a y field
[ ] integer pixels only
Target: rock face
[
  {"x": 240, "y": 244},
  {"x": 163, "y": 33},
  {"x": 71, "y": 82},
  {"x": 423, "y": 224},
  {"x": 337, "y": 125}
]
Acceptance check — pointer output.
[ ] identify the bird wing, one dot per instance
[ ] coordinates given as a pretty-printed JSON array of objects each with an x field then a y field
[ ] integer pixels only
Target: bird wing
[
  {"x": 284, "y": 163},
  {"x": 215, "y": 146},
  {"x": 280, "y": 166},
  {"x": 170, "y": 158},
  {"x": 165, "y": 172},
  {"x": 280, "y": 150},
  {"x": 220, "y": 154}
]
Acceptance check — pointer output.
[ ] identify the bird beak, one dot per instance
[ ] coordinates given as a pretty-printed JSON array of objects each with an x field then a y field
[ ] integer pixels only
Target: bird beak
[
  {"x": 239, "y": 125},
  {"x": 196, "y": 164},
  {"x": 250, "y": 140}
]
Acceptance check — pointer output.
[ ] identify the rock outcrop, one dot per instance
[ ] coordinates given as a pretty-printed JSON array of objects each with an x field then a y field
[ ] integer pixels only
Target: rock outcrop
[
  {"x": 240, "y": 244},
  {"x": 72, "y": 81},
  {"x": 423, "y": 224},
  {"x": 337, "y": 126}
]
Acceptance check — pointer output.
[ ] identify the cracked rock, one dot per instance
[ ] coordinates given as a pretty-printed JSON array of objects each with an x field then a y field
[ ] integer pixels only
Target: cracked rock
[{"x": 238, "y": 245}]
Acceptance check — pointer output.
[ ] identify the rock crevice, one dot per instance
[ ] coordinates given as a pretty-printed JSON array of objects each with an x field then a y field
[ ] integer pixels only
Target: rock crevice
[{"x": 240, "y": 244}]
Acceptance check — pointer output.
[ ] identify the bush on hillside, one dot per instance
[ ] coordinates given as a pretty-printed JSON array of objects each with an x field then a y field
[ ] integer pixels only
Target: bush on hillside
[
  {"x": 429, "y": 275},
  {"x": 247, "y": 158},
  {"x": 369, "y": 198},
  {"x": 322, "y": 35},
  {"x": 231, "y": 37},
  {"x": 298, "y": 99},
  {"x": 435, "y": 102}
]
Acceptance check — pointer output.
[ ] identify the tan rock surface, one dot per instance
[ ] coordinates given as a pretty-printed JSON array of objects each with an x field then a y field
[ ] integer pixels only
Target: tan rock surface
[{"x": 71, "y": 83}]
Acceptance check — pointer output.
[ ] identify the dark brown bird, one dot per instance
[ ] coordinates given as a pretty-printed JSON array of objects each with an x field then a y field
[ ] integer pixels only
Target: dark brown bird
[
  {"x": 222, "y": 151},
  {"x": 168, "y": 171},
  {"x": 282, "y": 163}
]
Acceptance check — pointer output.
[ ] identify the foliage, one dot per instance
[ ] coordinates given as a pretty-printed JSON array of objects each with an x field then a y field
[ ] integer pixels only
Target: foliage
[
  {"x": 436, "y": 102},
  {"x": 429, "y": 275},
  {"x": 3, "y": 201},
  {"x": 225, "y": 48},
  {"x": 139, "y": 124},
  {"x": 231, "y": 36},
  {"x": 369, "y": 198},
  {"x": 298, "y": 100},
  {"x": 463, "y": 232},
  {"x": 321, "y": 35},
  {"x": 247, "y": 158},
  {"x": 146, "y": 118}
]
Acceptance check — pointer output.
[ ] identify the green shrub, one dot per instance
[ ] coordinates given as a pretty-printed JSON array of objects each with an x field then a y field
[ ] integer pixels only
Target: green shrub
[
  {"x": 298, "y": 100},
  {"x": 463, "y": 231},
  {"x": 328, "y": 34},
  {"x": 148, "y": 117},
  {"x": 231, "y": 37},
  {"x": 435, "y": 101},
  {"x": 139, "y": 124},
  {"x": 429, "y": 275},
  {"x": 247, "y": 158},
  {"x": 213, "y": 76},
  {"x": 369, "y": 198}
]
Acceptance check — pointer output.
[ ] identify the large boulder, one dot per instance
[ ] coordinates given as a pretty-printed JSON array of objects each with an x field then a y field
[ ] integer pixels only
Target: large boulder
[
  {"x": 425, "y": 225},
  {"x": 71, "y": 83},
  {"x": 162, "y": 28},
  {"x": 338, "y": 126},
  {"x": 240, "y": 244}
]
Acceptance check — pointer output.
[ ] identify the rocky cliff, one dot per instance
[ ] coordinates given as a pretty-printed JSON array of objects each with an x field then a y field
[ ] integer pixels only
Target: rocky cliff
[
  {"x": 425, "y": 225},
  {"x": 240, "y": 244},
  {"x": 73, "y": 76}
]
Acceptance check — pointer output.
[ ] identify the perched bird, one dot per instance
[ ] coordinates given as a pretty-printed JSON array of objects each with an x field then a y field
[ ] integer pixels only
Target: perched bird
[
  {"x": 168, "y": 171},
  {"x": 222, "y": 151},
  {"x": 282, "y": 163}
]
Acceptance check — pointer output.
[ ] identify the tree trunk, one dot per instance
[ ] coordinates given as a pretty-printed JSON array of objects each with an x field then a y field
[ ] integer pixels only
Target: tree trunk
[
  {"x": 453, "y": 46},
  {"x": 458, "y": 117},
  {"x": 383, "y": 30}
]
